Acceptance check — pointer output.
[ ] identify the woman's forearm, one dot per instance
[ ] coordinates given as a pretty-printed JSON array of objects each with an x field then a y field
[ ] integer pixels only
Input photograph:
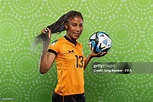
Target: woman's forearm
[
  {"x": 44, "y": 63},
  {"x": 87, "y": 61},
  {"x": 93, "y": 55}
]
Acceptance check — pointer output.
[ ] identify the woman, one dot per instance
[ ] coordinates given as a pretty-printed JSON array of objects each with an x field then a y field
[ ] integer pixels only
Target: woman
[{"x": 69, "y": 57}]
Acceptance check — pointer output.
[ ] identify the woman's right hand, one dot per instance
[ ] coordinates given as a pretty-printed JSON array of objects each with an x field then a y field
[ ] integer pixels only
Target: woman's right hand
[{"x": 48, "y": 31}]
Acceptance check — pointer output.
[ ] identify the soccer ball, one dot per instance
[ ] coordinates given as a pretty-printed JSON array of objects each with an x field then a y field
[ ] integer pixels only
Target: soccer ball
[{"x": 100, "y": 42}]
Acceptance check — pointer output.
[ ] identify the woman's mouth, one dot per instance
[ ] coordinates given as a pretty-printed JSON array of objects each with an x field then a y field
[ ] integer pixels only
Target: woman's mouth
[{"x": 77, "y": 34}]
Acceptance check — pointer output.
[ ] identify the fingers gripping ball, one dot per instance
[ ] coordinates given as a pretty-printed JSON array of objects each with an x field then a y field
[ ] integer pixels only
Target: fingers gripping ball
[{"x": 100, "y": 42}]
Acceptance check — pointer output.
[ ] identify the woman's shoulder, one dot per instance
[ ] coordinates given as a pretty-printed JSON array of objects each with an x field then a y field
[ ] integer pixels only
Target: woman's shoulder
[
  {"x": 59, "y": 40},
  {"x": 79, "y": 44}
]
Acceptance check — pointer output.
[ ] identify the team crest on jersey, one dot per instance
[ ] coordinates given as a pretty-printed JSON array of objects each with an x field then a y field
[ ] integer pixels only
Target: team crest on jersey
[
  {"x": 54, "y": 42},
  {"x": 71, "y": 51}
]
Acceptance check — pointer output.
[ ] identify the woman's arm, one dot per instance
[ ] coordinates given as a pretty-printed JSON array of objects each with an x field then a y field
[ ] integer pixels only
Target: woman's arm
[
  {"x": 47, "y": 58},
  {"x": 46, "y": 61},
  {"x": 91, "y": 56}
]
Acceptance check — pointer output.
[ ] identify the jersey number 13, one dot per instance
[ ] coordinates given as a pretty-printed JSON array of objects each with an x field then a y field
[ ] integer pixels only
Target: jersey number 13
[{"x": 79, "y": 61}]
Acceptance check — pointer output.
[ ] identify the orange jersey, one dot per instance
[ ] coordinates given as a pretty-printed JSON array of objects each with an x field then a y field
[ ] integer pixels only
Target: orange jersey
[{"x": 70, "y": 66}]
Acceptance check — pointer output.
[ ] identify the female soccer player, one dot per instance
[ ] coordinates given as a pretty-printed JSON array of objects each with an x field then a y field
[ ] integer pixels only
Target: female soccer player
[{"x": 69, "y": 57}]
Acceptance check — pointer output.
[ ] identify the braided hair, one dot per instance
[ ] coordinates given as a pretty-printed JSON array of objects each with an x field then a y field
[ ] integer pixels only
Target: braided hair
[
  {"x": 59, "y": 25},
  {"x": 56, "y": 27}
]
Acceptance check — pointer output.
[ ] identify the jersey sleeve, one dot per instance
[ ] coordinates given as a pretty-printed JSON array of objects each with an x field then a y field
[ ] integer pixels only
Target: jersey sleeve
[{"x": 54, "y": 47}]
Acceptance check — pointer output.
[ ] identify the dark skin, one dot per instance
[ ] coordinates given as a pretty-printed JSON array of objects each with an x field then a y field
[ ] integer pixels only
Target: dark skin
[{"x": 74, "y": 28}]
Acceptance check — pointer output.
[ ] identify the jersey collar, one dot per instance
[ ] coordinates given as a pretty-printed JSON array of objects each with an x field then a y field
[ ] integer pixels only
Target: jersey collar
[{"x": 73, "y": 42}]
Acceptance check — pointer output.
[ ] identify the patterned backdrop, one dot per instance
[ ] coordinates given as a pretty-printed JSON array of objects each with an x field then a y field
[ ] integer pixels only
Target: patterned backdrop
[{"x": 128, "y": 22}]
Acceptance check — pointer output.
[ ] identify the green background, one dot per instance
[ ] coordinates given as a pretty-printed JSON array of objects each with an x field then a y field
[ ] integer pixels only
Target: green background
[{"x": 128, "y": 22}]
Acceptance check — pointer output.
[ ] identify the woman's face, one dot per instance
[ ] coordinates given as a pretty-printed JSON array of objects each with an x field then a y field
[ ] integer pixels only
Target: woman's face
[{"x": 74, "y": 27}]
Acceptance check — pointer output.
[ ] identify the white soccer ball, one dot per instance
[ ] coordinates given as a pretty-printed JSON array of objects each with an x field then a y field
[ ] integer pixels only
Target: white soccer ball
[{"x": 100, "y": 42}]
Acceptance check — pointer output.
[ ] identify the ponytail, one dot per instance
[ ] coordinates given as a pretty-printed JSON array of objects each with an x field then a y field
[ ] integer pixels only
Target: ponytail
[
  {"x": 56, "y": 27},
  {"x": 59, "y": 25}
]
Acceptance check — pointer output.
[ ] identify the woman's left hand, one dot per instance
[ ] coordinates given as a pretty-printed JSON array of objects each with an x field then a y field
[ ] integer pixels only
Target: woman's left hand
[{"x": 93, "y": 54}]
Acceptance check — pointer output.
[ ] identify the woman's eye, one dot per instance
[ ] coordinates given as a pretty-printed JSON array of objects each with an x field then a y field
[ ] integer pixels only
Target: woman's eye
[
  {"x": 80, "y": 25},
  {"x": 74, "y": 25}
]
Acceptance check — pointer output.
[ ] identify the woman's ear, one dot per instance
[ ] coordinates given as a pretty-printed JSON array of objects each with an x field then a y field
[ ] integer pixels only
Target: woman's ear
[{"x": 66, "y": 26}]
